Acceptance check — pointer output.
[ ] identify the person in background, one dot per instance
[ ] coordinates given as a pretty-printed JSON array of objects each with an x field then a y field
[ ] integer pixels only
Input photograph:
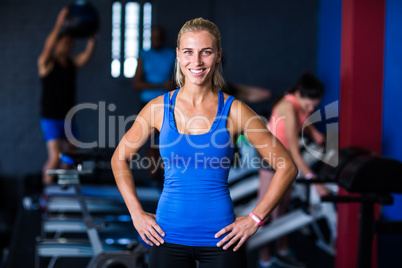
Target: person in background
[
  {"x": 198, "y": 125},
  {"x": 288, "y": 115},
  {"x": 153, "y": 78},
  {"x": 155, "y": 68},
  {"x": 57, "y": 71}
]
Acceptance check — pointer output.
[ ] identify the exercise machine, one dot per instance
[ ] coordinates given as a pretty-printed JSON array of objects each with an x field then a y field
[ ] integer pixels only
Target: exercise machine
[{"x": 92, "y": 248}]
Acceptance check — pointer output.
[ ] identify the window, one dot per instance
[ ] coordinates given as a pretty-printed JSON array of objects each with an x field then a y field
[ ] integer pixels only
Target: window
[
  {"x": 116, "y": 37},
  {"x": 131, "y": 24}
]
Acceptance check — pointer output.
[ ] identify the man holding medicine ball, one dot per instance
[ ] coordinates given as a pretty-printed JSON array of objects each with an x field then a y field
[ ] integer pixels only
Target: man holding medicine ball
[{"x": 57, "y": 71}]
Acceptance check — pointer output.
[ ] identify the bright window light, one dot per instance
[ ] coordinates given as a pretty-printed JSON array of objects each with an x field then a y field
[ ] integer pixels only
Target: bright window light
[
  {"x": 147, "y": 22},
  {"x": 116, "y": 37},
  {"x": 131, "y": 38},
  {"x": 116, "y": 66},
  {"x": 130, "y": 66},
  {"x": 126, "y": 36}
]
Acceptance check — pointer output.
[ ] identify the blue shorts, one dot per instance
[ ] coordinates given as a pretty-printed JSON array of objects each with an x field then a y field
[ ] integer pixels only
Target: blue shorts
[{"x": 53, "y": 129}]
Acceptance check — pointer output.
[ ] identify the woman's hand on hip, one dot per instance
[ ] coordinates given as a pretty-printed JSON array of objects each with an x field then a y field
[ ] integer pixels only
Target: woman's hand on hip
[
  {"x": 148, "y": 229},
  {"x": 239, "y": 231}
]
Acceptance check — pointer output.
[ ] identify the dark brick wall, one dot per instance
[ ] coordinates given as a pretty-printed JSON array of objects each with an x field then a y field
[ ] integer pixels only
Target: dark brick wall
[{"x": 266, "y": 43}]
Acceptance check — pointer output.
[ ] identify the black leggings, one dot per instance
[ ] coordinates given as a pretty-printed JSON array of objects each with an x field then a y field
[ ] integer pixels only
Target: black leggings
[{"x": 170, "y": 255}]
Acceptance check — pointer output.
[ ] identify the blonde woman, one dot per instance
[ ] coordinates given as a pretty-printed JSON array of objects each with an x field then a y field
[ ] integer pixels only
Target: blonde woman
[{"x": 198, "y": 127}]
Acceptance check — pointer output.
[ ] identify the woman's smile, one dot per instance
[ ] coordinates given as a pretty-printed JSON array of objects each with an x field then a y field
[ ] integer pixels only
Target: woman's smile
[{"x": 197, "y": 72}]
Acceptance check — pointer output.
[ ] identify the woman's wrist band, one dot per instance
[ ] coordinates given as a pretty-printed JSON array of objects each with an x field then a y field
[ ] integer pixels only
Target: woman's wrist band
[
  {"x": 309, "y": 175},
  {"x": 256, "y": 219}
]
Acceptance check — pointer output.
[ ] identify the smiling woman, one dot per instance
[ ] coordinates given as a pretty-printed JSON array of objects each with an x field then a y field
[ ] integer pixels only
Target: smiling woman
[
  {"x": 198, "y": 55},
  {"x": 203, "y": 31},
  {"x": 198, "y": 126}
]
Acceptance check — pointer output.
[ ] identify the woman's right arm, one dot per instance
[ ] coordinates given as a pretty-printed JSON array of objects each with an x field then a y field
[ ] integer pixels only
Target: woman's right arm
[{"x": 130, "y": 144}]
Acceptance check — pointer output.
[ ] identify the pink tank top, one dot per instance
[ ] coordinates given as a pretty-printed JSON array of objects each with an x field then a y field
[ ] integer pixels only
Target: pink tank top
[{"x": 276, "y": 123}]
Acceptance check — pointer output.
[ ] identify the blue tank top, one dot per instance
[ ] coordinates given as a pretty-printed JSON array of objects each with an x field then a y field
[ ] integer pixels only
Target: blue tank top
[{"x": 195, "y": 202}]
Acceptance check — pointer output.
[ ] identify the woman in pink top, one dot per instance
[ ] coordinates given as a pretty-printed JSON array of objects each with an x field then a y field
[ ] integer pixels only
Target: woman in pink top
[{"x": 288, "y": 116}]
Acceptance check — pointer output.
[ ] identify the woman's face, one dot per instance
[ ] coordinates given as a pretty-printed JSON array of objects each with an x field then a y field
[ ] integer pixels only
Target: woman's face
[
  {"x": 197, "y": 55},
  {"x": 307, "y": 105}
]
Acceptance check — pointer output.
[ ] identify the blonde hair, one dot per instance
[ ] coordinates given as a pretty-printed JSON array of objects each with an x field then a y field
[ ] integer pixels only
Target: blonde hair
[{"x": 195, "y": 25}]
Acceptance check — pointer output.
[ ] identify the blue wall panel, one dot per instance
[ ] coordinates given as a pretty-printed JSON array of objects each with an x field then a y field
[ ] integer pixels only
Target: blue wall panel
[
  {"x": 392, "y": 109},
  {"x": 328, "y": 52}
]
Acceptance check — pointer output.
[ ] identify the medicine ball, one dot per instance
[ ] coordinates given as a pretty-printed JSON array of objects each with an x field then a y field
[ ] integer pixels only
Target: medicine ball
[{"x": 82, "y": 20}]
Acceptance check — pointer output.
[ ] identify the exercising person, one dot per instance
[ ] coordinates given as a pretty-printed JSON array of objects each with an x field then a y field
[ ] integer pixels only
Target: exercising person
[
  {"x": 57, "y": 71},
  {"x": 198, "y": 127},
  {"x": 288, "y": 116}
]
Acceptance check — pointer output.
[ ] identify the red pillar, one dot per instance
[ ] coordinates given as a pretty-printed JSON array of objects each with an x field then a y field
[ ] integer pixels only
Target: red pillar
[{"x": 362, "y": 57}]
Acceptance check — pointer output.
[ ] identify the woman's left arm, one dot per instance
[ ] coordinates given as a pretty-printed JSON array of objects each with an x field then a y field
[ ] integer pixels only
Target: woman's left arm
[{"x": 244, "y": 120}]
